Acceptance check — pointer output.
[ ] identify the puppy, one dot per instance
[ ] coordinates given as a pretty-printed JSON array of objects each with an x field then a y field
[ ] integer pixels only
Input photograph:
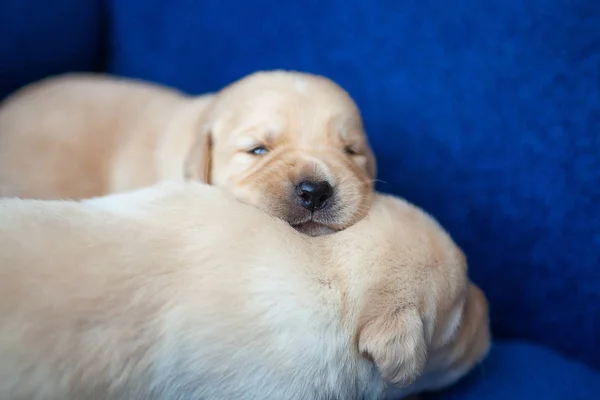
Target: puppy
[
  {"x": 178, "y": 291},
  {"x": 290, "y": 143}
]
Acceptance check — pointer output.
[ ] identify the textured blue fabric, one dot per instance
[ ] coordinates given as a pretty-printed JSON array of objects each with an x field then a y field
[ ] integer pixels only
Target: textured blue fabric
[
  {"x": 521, "y": 371},
  {"x": 485, "y": 113},
  {"x": 46, "y": 37}
]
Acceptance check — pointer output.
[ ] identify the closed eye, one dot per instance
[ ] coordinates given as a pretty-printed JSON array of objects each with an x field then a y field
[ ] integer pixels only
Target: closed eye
[{"x": 351, "y": 151}]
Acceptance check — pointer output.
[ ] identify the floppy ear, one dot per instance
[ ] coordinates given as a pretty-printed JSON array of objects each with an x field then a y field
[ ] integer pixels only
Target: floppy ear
[
  {"x": 199, "y": 160},
  {"x": 396, "y": 344}
]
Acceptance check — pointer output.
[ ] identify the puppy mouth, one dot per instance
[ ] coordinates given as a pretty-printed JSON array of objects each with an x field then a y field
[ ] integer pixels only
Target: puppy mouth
[
  {"x": 313, "y": 228},
  {"x": 312, "y": 223}
]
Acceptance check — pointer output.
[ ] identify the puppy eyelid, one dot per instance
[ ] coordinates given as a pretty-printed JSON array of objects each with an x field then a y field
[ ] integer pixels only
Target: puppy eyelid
[
  {"x": 258, "y": 150},
  {"x": 350, "y": 150}
]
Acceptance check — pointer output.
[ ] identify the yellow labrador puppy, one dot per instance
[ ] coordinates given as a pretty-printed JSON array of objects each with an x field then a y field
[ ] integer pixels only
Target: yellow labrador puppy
[
  {"x": 290, "y": 143},
  {"x": 178, "y": 291}
]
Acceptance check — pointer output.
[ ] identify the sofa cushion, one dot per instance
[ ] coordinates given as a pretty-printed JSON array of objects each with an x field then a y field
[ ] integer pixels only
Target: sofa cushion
[{"x": 518, "y": 370}]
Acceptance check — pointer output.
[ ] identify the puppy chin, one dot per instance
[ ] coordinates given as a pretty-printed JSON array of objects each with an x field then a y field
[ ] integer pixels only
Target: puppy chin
[{"x": 312, "y": 228}]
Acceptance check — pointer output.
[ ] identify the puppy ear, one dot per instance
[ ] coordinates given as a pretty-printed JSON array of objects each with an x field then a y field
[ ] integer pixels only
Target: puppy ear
[
  {"x": 198, "y": 163},
  {"x": 396, "y": 344}
]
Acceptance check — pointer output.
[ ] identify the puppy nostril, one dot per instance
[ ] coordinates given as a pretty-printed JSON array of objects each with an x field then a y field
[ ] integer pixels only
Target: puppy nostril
[
  {"x": 314, "y": 195},
  {"x": 322, "y": 201},
  {"x": 306, "y": 197}
]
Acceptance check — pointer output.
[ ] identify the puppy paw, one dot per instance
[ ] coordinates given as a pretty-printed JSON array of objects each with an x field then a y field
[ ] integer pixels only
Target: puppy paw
[{"x": 395, "y": 342}]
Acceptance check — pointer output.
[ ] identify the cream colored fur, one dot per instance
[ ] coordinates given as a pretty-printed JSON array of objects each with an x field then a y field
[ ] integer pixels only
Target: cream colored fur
[
  {"x": 82, "y": 135},
  {"x": 178, "y": 291}
]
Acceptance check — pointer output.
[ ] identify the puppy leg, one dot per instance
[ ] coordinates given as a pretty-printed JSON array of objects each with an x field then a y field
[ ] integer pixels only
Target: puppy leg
[{"x": 396, "y": 343}]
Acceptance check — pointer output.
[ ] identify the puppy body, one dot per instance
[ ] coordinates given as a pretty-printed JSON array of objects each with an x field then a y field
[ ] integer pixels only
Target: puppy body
[
  {"x": 79, "y": 136},
  {"x": 271, "y": 138},
  {"x": 180, "y": 292}
]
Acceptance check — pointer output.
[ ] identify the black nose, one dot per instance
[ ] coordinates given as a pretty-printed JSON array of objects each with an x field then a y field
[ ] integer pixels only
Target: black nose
[{"x": 314, "y": 195}]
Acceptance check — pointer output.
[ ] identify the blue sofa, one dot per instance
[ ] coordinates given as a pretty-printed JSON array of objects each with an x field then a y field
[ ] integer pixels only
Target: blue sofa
[{"x": 484, "y": 112}]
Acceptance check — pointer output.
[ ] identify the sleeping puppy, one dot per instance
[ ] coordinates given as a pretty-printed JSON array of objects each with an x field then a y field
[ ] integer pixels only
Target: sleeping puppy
[
  {"x": 178, "y": 291},
  {"x": 290, "y": 143}
]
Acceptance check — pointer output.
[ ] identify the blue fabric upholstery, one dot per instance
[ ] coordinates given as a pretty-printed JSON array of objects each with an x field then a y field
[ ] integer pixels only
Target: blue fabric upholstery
[
  {"x": 521, "y": 371},
  {"x": 40, "y": 38},
  {"x": 485, "y": 113}
]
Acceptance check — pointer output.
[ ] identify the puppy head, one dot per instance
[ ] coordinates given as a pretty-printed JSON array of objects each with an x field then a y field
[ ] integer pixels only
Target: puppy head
[
  {"x": 291, "y": 144},
  {"x": 412, "y": 297}
]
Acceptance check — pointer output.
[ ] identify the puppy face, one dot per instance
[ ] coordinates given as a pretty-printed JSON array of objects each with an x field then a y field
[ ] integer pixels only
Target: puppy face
[
  {"x": 293, "y": 145},
  {"x": 419, "y": 319}
]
